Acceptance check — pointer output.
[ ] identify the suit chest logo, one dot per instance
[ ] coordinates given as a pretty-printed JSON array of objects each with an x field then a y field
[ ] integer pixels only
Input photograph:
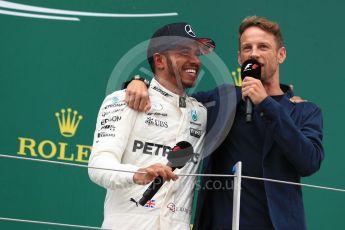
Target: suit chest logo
[{"x": 194, "y": 115}]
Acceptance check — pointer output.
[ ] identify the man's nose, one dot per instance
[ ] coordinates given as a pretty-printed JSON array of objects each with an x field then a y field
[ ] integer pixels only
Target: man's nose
[
  {"x": 254, "y": 54},
  {"x": 194, "y": 59}
]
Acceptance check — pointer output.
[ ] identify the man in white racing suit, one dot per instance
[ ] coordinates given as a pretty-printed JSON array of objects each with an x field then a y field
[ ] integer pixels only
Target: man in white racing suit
[{"x": 133, "y": 141}]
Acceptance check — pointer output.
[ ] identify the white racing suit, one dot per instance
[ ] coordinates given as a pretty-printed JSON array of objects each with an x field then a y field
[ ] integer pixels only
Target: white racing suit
[{"x": 128, "y": 140}]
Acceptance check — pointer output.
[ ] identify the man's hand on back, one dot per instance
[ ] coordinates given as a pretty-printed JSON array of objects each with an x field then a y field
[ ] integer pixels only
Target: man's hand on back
[{"x": 137, "y": 96}]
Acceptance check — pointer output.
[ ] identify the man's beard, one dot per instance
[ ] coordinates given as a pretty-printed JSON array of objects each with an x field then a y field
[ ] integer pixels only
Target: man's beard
[{"x": 174, "y": 73}]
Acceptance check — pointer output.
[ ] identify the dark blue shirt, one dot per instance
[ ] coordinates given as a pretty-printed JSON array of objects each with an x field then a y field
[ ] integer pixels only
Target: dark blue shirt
[{"x": 254, "y": 209}]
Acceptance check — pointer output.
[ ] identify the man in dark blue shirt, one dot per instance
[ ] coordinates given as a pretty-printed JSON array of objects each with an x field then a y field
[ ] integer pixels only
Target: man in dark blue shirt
[{"x": 283, "y": 142}]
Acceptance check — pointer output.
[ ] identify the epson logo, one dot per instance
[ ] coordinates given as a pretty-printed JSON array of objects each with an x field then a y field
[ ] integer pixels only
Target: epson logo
[
  {"x": 151, "y": 148},
  {"x": 113, "y": 119}
]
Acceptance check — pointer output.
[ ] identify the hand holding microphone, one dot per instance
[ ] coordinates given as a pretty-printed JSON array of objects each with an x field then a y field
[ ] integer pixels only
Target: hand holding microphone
[
  {"x": 252, "y": 88},
  {"x": 177, "y": 158},
  {"x": 152, "y": 172}
]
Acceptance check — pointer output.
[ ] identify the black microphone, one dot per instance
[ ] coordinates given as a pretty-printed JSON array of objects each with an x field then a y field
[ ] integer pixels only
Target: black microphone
[
  {"x": 250, "y": 68},
  {"x": 177, "y": 158}
]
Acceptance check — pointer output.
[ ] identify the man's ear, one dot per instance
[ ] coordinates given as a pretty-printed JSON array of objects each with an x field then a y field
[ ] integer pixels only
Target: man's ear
[
  {"x": 159, "y": 61},
  {"x": 281, "y": 55},
  {"x": 239, "y": 58}
]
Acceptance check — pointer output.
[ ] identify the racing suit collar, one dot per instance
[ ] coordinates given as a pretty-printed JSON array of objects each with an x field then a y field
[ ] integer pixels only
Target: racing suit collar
[{"x": 164, "y": 93}]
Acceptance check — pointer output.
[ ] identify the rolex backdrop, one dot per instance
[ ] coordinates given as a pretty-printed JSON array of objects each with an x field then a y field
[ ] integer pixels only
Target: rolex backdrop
[{"x": 59, "y": 59}]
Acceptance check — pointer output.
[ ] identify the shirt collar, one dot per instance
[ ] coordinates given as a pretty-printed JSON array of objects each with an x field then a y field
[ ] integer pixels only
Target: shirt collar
[{"x": 157, "y": 89}]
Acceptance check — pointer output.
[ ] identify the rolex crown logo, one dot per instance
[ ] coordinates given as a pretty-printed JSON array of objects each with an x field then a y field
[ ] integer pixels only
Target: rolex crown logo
[
  {"x": 68, "y": 123},
  {"x": 236, "y": 76}
]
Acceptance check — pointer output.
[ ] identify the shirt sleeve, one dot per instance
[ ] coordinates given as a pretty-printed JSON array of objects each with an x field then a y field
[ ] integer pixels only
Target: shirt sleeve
[
  {"x": 301, "y": 138},
  {"x": 205, "y": 97},
  {"x": 114, "y": 124}
]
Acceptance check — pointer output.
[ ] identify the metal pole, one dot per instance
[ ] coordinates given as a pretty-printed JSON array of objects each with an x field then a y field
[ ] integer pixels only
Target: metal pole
[{"x": 237, "y": 196}]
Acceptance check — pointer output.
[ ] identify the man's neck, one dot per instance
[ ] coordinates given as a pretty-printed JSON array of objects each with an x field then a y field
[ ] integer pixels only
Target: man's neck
[
  {"x": 170, "y": 85},
  {"x": 273, "y": 89},
  {"x": 272, "y": 85}
]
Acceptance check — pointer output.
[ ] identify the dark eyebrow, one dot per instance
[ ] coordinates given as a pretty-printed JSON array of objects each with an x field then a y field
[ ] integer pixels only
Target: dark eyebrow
[
  {"x": 245, "y": 44},
  {"x": 180, "y": 47},
  {"x": 264, "y": 43}
]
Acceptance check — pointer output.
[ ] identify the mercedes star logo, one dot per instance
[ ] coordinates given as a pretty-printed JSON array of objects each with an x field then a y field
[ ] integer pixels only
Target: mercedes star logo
[{"x": 189, "y": 30}]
